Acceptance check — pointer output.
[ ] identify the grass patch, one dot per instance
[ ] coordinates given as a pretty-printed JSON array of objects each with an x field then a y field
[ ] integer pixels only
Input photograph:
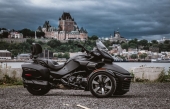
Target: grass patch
[
  {"x": 162, "y": 78},
  {"x": 10, "y": 81}
]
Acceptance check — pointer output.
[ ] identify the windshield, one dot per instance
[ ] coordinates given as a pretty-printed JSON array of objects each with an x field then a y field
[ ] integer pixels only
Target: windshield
[{"x": 100, "y": 45}]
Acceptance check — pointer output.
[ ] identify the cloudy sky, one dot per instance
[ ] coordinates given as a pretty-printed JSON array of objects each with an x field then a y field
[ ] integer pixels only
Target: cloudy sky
[{"x": 142, "y": 19}]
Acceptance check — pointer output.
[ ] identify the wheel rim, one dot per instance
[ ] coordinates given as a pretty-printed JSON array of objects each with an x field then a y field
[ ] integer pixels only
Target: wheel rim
[{"x": 101, "y": 84}]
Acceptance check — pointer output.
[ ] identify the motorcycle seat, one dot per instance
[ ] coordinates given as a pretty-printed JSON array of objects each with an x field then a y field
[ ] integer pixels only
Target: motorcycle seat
[{"x": 55, "y": 67}]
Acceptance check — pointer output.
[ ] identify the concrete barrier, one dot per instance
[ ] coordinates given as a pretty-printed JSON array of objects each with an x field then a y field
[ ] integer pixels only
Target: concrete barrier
[
  {"x": 147, "y": 73},
  {"x": 11, "y": 72}
]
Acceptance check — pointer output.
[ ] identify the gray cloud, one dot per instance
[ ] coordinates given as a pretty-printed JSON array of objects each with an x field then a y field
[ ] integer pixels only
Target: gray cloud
[{"x": 135, "y": 19}]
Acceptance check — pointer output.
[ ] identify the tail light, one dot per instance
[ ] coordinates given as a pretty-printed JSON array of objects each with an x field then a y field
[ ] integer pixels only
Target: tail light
[{"x": 28, "y": 75}]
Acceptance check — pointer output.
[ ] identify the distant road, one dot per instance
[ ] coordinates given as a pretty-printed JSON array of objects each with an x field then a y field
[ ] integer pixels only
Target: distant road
[{"x": 12, "y": 60}]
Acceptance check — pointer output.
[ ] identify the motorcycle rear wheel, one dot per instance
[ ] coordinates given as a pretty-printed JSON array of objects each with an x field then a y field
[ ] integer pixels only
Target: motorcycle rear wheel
[{"x": 37, "y": 90}]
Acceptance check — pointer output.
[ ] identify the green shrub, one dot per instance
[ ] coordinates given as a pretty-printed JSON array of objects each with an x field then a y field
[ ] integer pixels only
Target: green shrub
[
  {"x": 10, "y": 80},
  {"x": 163, "y": 77},
  {"x": 141, "y": 80}
]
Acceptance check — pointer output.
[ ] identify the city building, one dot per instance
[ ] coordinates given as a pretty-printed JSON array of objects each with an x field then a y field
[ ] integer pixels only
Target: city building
[
  {"x": 117, "y": 37},
  {"x": 76, "y": 53},
  {"x": 46, "y": 54},
  {"x": 116, "y": 49},
  {"x": 5, "y": 54},
  {"x": 67, "y": 29},
  {"x": 163, "y": 40},
  {"x": 154, "y": 49},
  {"x": 23, "y": 56},
  {"x": 15, "y": 35}
]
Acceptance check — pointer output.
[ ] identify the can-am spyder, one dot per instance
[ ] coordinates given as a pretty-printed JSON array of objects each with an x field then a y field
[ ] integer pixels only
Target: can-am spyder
[{"x": 94, "y": 72}]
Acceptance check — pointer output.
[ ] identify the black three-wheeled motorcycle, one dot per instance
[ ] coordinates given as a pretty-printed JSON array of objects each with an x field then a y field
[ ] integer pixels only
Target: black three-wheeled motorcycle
[{"x": 94, "y": 72}]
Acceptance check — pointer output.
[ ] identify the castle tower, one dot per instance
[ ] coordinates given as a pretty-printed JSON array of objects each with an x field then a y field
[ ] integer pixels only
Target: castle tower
[{"x": 66, "y": 22}]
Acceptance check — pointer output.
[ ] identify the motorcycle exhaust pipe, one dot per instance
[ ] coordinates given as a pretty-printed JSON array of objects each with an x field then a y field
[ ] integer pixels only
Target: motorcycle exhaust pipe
[{"x": 35, "y": 82}]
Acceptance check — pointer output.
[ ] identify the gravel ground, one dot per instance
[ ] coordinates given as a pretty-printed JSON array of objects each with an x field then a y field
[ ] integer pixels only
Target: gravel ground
[{"x": 140, "y": 96}]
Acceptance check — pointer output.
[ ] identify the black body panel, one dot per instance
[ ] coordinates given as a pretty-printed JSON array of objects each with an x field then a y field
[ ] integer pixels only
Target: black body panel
[
  {"x": 36, "y": 71},
  {"x": 116, "y": 68},
  {"x": 69, "y": 67},
  {"x": 49, "y": 64}
]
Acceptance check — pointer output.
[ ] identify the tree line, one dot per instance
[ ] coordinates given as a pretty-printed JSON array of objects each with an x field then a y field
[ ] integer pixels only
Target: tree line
[
  {"x": 69, "y": 46},
  {"x": 53, "y": 45},
  {"x": 145, "y": 45},
  {"x": 27, "y": 33}
]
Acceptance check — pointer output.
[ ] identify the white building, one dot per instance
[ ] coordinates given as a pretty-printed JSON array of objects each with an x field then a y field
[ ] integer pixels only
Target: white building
[
  {"x": 117, "y": 37},
  {"x": 15, "y": 35},
  {"x": 5, "y": 54},
  {"x": 163, "y": 39},
  {"x": 23, "y": 56},
  {"x": 76, "y": 53}
]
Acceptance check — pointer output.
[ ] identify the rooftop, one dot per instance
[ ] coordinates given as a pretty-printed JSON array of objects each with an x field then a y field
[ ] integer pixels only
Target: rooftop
[
  {"x": 4, "y": 51},
  {"x": 66, "y": 15}
]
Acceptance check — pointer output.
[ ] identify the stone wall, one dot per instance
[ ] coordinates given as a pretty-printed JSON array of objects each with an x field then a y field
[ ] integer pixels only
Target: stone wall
[
  {"x": 147, "y": 73},
  {"x": 11, "y": 72},
  {"x": 14, "y": 40}
]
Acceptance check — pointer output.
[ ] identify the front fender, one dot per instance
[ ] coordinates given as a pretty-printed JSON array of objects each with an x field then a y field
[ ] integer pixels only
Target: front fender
[{"x": 101, "y": 70}]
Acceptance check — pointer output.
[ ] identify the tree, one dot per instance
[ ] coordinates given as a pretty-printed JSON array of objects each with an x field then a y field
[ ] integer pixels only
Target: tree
[
  {"x": 94, "y": 37},
  {"x": 135, "y": 41},
  {"x": 107, "y": 43},
  {"x": 143, "y": 56},
  {"x": 134, "y": 56},
  {"x": 59, "y": 55},
  {"x": 154, "y": 42},
  {"x": 54, "y": 43},
  {"x": 3, "y": 29},
  {"x": 1, "y": 36},
  {"x": 30, "y": 41},
  {"x": 27, "y": 33},
  {"x": 66, "y": 55},
  {"x": 133, "y": 45},
  {"x": 40, "y": 42},
  {"x": 5, "y": 34},
  {"x": 40, "y": 34},
  {"x": 125, "y": 46},
  {"x": 143, "y": 42},
  {"x": 166, "y": 42}
]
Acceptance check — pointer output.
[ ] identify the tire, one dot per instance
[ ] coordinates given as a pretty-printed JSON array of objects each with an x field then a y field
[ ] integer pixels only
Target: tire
[
  {"x": 37, "y": 90},
  {"x": 119, "y": 93},
  {"x": 102, "y": 84}
]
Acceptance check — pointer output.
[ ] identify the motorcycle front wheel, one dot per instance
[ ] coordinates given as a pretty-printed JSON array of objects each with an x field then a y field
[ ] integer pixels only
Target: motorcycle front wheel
[
  {"x": 102, "y": 84},
  {"x": 37, "y": 90}
]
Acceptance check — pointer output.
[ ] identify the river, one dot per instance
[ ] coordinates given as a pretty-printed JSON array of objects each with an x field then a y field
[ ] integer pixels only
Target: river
[{"x": 125, "y": 65}]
